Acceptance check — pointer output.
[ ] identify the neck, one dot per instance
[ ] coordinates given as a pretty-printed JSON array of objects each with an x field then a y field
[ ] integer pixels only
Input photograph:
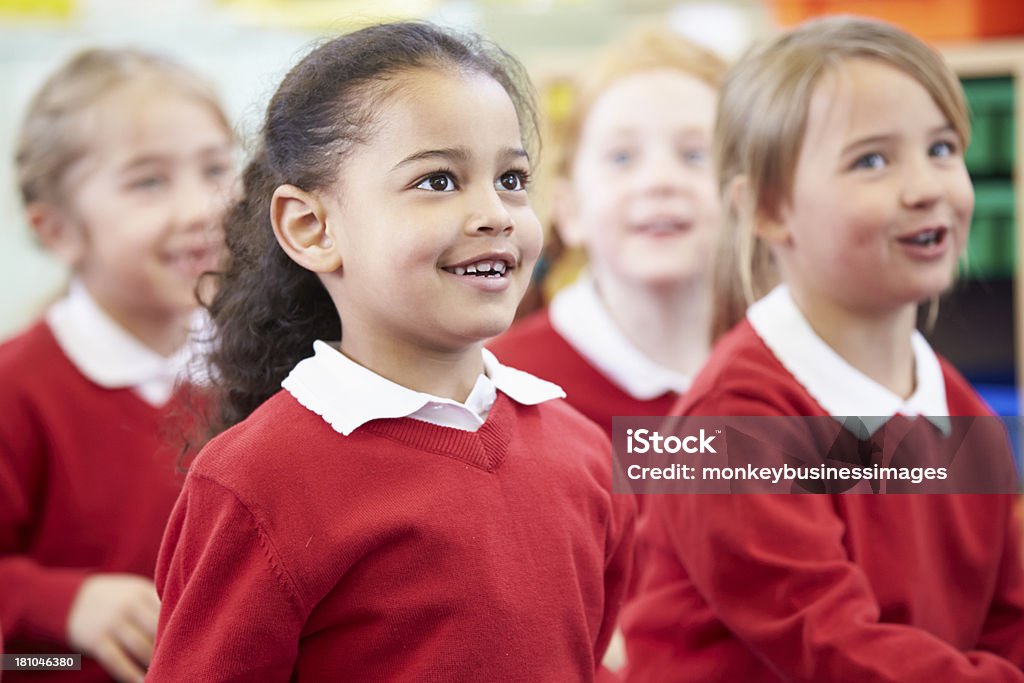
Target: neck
[
  {"x": 162, "y": 333},
  {"x": 668, "y": 324},
  {"x": 878, "y": 344},
  {"x": 446, "y": 374}
]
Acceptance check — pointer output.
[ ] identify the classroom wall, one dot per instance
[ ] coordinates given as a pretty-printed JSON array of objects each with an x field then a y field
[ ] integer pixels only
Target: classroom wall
[{"x": 245, "y": 48}]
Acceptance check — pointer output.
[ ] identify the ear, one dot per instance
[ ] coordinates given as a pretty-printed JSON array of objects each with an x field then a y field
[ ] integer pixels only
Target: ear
[
  {"x": 565, "y": 211},
  {"x": 769, "y": 226},
  {"x": 58, "y": 232},
  {"x": 300, "y": 226}
]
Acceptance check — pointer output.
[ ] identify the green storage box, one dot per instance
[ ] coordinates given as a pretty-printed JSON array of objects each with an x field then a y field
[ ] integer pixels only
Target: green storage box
[
  {"x": 992, "y": 132},
  {"x": 991, "y": 247}
]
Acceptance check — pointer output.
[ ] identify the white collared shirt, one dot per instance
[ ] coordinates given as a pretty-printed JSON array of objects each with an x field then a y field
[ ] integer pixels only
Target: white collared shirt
[
  {"x": 580, "y": 317},
  {"x": 347, "y": 395},
  {"x": 841, "y": 389},
  {"x": 112, "y": 357}
]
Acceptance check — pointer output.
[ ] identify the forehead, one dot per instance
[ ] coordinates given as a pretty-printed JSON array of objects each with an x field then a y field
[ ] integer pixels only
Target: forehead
[
  {"x": 659, "y": 95},
  {"x": 863, "y": 96},
  {"x": 442, "y": 108},
  {"x": 151, "y": 118}
]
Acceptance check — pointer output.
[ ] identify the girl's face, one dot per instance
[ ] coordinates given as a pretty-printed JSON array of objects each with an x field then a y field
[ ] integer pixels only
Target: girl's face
[
  {"x": 146, "y": 201},
  {"x": 642, "y": 199},
  {"x": 431, "y": 218},
  {"x": 881, "y": 201}
]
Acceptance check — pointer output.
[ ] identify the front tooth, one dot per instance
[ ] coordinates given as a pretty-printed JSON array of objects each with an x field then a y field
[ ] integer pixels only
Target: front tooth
[
  {"x": 484, "y": 267},
  {"x": 471, "y": 269},
  {"x": 459, "y": 271}
]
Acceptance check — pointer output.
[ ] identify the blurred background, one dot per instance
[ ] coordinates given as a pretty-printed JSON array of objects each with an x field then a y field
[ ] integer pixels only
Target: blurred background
[{"x": 245, "y": 46}]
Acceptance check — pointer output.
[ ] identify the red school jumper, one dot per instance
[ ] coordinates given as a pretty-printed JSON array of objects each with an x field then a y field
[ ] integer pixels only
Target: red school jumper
[
  {"x": 405, "y": 551},
  {"x": 87, "y": 480},
  {"x": 817, "y": 588},
  {"x": 533, "y": 345}
]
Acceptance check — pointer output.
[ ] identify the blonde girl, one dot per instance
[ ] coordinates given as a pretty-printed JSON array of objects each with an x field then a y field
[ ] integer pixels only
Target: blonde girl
[
  {"x": 839, "y": 148},
  {"x": 124, "y": 163}
]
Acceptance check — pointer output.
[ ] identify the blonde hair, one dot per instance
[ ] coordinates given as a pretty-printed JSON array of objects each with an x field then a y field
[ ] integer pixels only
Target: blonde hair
[
  {"x": 52, "y": 135},
  {"x": 646, "y": 48},
  {"x": 760, "y": 125}
]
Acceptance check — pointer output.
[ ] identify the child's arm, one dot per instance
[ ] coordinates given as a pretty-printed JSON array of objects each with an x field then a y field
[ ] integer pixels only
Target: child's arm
[
  {"x": 1003, "y": 632},
  {"x": 35, "y": 600},
  {"x": 229, "y": 608},
  {"x": 618, "y": 568},
  {"x": 773, "y": 569}
]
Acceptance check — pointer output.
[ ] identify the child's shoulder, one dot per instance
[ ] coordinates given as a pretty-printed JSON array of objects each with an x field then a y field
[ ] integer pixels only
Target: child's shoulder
[
  {"x": 277, "y": 427},
  {"x": 743, "y": 377},
  {"x": 31, "y": 358},
  {"x": 564, "y": 418},
  {"x": 961, "y": 397}
]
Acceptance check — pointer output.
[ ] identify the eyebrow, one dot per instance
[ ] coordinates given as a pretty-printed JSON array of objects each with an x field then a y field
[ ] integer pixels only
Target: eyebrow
[
  {"x": 456, "y": 154},
  {"x": 156, "y": 159},
  {"x": 881, "y": 139}
]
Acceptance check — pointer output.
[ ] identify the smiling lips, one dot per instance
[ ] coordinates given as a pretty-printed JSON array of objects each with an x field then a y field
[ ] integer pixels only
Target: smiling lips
[
  {"x": 491, "y": 266},
  {"x": 925, "y": 238},
  {"x": 193, "y": 262},
  {"x": 928, "y": 243},
  {"x": 481, "y": 269},
  {"x": 662, "y": 227}
]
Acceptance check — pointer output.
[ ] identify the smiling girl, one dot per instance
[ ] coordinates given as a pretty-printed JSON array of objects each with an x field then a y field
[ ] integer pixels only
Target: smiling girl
[
  {"x": 125, "y": 165},
  {"x": 405, "y": 508},
  {"x": 839, "y": 148},
  {"x": 635, "y": 191}
]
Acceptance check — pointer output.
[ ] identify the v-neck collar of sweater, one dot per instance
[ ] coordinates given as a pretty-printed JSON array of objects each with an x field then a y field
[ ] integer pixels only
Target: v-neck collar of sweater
[{"x": 485, "y": 448}]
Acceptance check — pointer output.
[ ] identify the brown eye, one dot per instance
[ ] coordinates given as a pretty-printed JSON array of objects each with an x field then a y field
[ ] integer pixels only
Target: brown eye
[
  {"x": 437, "y": 182},
  {"x": 512, "y": 181}
]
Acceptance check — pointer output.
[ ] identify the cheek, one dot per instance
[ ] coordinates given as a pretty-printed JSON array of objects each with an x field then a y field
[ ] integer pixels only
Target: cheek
[{"x": 531, "y": 233}]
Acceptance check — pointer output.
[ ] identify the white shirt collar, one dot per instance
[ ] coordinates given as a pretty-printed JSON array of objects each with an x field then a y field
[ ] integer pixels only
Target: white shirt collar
[
  {"x": 841, "y": 389},
  {"x": 110, "y": 356},
  {"x": 580, "y": 317},
  {"x": 347, "y": 395}
]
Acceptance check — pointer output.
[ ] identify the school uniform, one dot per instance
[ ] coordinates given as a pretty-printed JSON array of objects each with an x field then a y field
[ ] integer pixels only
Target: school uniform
[
  {"x": 354, "y": 529},
  {"x": 576, "y": 344},
  {"x": 87, "y": 468},
  {"x": 824, "y": 588}
]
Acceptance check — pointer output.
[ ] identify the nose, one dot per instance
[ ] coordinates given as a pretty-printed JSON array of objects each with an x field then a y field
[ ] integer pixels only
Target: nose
[
  {"x": 663, "y": 171},
  {"x": 487, "y": 214},
  {"x": 199, "y": 205},
  {"x": 922, "y": 183}
]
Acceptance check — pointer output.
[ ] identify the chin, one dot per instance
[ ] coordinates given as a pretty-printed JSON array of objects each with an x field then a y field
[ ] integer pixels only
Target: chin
[{"x": 490, "y": 328}]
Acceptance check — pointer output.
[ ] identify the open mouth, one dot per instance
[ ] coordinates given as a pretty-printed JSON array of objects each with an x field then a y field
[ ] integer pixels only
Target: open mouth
[
  {"x": 925, "y": 238},
  {"x": 488, "y": 269},
  {"x": 193, "y": 261},
  {"x": 662, "y": 227}
]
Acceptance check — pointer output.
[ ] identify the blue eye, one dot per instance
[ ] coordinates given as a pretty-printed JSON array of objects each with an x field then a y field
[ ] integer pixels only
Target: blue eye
[
  {"x": 943, "y": 148},
  {"x": 621, "y": 157},
  {"x": 148, "y": 183},
  {"x": 871, "y": 160},
  {"x": 694, "y": 157},
  {"x": 437, "y": 182},
  {"x": 216, "y": 171},
  {"x": 512, "y": 181}
]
